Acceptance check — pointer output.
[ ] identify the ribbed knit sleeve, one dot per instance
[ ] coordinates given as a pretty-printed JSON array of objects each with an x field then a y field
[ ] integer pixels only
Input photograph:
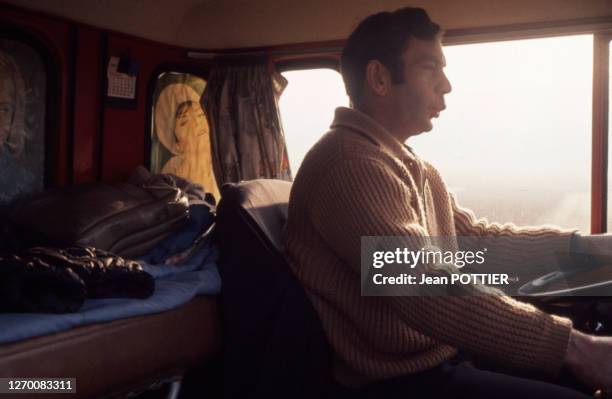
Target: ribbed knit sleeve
[
  {"x": 365, "y": 197},
  {"x": 467, "y": 224},
  {"x": 530, "y": 247}
]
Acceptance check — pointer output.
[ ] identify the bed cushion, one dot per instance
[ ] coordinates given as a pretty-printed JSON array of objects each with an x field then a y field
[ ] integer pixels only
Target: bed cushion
[{"x": 123, "y": 355}]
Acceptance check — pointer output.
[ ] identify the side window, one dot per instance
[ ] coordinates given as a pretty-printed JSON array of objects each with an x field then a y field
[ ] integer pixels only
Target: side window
[
  {"x": 23, "y": 83},
  {"x": 307, "y": 108},
  {"x": 515, "y": 141},
  {"x": 180, "y": 136}
]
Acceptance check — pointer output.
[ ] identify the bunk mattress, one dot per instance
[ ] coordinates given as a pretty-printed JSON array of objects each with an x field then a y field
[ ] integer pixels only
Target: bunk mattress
[
  {"x": 111, "y": 359},
  {"x": 174, "y": 286}
]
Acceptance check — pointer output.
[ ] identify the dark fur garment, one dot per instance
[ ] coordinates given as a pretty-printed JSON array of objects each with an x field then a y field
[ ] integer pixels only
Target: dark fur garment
[
  {"x": 54, "y": 280},
  {"x": 34, "y": 286}
]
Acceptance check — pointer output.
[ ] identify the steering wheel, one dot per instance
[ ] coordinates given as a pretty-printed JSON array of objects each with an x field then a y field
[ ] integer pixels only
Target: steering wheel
[{"x": 588, "y": 281}]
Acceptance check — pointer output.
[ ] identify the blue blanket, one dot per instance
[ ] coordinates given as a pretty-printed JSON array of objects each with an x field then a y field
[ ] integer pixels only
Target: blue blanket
[{"x": 174, "y": 286}]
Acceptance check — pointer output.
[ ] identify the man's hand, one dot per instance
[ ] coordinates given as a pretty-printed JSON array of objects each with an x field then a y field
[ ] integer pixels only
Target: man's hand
[
  {"x": 590, "y": 359},
  {"x": 595, "y": 249}
]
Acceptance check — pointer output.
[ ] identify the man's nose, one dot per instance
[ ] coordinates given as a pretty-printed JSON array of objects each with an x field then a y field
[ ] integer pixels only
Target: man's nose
[{"x": 445, "y": 86}]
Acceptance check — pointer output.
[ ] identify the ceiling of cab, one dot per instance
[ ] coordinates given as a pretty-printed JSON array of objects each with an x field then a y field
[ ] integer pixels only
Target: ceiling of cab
[{"x": 212, "y": 24}]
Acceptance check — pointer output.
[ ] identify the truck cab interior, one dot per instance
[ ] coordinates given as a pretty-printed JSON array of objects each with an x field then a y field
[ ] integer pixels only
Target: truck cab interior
[{"x": 147, "y": 152}]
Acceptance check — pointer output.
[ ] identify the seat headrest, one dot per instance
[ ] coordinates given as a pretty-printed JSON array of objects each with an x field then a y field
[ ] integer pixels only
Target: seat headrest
[{"x": 265, "y": 201}]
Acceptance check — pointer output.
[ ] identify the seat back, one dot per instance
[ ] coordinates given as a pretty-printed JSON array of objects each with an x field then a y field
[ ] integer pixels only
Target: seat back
[{"x": 274, "y": 342}]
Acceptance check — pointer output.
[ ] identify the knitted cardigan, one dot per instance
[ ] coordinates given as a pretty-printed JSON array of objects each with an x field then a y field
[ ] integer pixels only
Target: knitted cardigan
[{"x": 358, "y": 180}]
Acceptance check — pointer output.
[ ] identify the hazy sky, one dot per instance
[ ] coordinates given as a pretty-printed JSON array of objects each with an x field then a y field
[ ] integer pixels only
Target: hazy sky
[
  {"x": 519, "y": 110},
  {"x": 307, "y": 108}
]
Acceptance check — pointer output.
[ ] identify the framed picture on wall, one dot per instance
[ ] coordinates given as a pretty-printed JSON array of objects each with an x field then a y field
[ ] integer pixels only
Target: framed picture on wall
[
  {"x": 23, "y": 84},
  {"x": 180, "y": 135}
]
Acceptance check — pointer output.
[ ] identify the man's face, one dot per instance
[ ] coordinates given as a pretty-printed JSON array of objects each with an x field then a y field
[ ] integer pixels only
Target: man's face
[{"x": 421, "y": 96}]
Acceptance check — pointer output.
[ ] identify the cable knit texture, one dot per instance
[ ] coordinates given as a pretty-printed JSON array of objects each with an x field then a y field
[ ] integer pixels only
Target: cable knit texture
[{"x": 358, "y": 180}]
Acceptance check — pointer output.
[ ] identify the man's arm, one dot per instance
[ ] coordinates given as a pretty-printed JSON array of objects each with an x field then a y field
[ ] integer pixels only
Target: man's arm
[
  {"x": 365, "y": 198},
  {"x": 467, "y": 224},
  {"x": 530, "y": 250},
  {"x": 587, "y": 356}
]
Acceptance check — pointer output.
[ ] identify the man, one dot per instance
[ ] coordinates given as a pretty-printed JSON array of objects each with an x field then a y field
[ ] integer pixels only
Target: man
[{"x": 360, "y": 180}]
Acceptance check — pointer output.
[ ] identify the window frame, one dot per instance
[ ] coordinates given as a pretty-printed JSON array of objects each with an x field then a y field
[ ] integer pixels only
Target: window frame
[
  {"x": 599, "y": 160},
  {"x": 287, "y": 65}
]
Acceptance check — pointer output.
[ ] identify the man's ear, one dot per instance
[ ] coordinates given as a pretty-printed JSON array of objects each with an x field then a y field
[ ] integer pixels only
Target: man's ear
[{"x": 378, "y": 78}]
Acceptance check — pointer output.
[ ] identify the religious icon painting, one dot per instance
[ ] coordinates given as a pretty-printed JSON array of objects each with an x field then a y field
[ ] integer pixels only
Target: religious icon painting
[
  {"x": 22, "y": 120},
  {"x": 180, "y": 137}
]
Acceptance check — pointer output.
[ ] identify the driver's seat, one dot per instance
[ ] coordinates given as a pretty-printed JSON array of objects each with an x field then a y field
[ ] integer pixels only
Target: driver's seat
[{"x": 273, "y": 339}]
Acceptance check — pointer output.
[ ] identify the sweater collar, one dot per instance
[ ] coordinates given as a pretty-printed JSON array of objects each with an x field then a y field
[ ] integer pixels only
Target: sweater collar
[{"x": 356, "y": 120}]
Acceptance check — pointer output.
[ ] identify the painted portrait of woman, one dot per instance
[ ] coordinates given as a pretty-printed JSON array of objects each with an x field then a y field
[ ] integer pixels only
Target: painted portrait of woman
[
  {"x": 181, "y": 127},
  {"x": 21, "y": 111}
]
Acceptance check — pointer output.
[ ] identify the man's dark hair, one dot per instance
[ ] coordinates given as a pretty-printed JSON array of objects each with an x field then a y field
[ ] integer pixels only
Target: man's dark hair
[{"x": 383, "y": 37}]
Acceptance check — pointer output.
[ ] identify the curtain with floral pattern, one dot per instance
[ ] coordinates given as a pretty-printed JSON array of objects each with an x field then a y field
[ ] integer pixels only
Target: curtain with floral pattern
[{"x": 241, "y": 104}]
